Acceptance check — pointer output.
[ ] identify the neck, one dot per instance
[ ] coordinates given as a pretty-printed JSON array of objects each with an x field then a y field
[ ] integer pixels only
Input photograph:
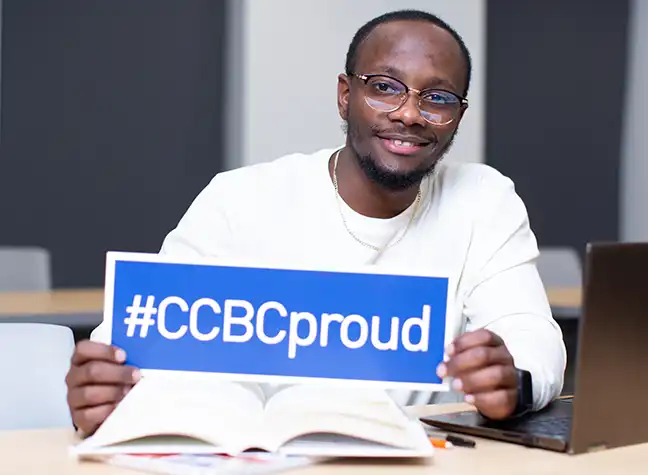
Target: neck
[{"x": 365, "y": 196}]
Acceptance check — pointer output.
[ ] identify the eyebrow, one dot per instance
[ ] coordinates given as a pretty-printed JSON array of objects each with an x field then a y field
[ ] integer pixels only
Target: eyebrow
[{"x": 433, "y": 83}]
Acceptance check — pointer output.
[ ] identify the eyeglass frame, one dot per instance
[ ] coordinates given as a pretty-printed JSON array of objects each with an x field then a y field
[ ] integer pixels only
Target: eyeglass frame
[{"x": 366, "y": 77}]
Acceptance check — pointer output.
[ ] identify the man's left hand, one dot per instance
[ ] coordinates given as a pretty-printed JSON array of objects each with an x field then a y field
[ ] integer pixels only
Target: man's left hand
[{"x": 483, "y": 369}]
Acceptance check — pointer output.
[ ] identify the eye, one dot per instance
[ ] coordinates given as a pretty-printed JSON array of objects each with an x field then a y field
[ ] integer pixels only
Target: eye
[
  {"x": 440, "y": 98},
  {"x": 384, "y": 86}
]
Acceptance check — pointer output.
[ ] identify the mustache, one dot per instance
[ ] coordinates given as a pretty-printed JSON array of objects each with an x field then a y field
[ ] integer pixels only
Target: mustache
[{"x": 431, "y": 138}]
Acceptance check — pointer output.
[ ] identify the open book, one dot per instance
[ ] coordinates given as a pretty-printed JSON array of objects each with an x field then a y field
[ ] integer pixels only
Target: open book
[
  {"x": 206, "y": 464},
  {"x": 163, "y": 415}
]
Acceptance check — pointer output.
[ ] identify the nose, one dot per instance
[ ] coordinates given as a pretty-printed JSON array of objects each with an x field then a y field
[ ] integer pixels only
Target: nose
[{"x": 409, "y": 113}]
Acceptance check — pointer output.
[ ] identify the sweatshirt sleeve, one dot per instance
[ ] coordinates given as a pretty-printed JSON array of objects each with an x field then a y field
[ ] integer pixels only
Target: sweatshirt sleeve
[{"x": 505, "y": 293}]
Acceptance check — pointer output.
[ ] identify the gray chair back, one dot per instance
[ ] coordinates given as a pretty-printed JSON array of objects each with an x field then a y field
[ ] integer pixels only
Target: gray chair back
[
  {"x": 24, "y": 269},
  {"x": 560, "y": 267},
  {"x": 35, "y": 360}
]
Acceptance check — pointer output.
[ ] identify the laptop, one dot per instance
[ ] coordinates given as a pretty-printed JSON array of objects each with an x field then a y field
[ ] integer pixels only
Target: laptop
[{"x": 609, "y": 407}]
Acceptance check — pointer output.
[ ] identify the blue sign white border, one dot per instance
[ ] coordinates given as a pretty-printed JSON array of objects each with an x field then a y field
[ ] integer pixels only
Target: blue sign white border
[{"x": 112, "y": 257}]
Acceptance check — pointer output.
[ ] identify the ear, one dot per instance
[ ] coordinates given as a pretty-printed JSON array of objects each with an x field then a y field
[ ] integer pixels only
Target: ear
[{"x": 343, "y": 90}]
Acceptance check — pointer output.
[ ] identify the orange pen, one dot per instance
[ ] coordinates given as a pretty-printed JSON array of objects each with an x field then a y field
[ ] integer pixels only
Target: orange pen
[{"x": 440, "y": 443}]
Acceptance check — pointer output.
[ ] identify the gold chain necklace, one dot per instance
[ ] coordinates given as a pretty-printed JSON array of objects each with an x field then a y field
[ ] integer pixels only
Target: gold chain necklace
[{"x": 351, "y": 233}]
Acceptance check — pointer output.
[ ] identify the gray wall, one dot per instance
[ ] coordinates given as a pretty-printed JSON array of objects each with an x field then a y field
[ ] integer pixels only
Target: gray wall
[
  {"x": 285, "y": 67},
  {"x": 111, "y": 124},
  {"x": 634, "y": 179}
]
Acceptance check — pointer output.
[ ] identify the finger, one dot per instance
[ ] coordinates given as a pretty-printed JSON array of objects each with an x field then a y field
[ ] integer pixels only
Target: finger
[
  {"x": 487, "y": 379},
  {"x": 96, "y": 395},
  {"x": 88, "y": 420},
  {"x": 477, "y": 358},
  {"x": 481, "y": 337},
  {"x": 498, "y": 404},
  {"x": 102, "y": 372},
  {"x": 87, "y": 350}
]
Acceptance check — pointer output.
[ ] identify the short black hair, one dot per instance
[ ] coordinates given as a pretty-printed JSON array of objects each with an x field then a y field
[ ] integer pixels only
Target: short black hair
[{"x": 408, "y": 15}]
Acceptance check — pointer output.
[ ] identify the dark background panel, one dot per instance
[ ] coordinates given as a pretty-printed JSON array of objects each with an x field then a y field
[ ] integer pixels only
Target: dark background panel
[
  {"x": 556, "y": 75},
  {"x": 555, "y": 85},
  {"x": 111, "y": 124}
]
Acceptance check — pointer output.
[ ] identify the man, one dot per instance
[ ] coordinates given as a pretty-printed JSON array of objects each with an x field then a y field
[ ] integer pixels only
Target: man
[{"x": 384, "y": 198}]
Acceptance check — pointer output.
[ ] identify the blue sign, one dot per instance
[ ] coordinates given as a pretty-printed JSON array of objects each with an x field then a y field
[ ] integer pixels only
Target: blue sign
[{"x": 277, "y": 325}]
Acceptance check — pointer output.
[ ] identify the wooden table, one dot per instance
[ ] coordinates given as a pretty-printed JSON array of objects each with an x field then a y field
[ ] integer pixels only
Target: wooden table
[
  {"x": 74, "y": 307},
  {"x": 45, "y": 451},
  {"x": 48, "y": 303},
  {"x": 568, "y": 297},
  {"x": 88, "y": 303},
  {"x": 565, "y": 302}
]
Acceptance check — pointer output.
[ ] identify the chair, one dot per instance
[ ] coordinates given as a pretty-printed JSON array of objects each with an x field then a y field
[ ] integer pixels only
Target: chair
[
  {"x": 24, "y": 269},
  {"x": 35, "y": 360},
  {"x": 560, "y": 267}
]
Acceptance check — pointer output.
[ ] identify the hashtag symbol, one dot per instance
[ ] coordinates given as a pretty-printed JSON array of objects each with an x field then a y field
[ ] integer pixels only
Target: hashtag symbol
[{"x": 139, "y": 316}]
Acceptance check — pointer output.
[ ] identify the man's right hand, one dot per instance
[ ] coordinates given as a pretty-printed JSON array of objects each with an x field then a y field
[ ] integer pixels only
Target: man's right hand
[{"x": 96, "y": 382}]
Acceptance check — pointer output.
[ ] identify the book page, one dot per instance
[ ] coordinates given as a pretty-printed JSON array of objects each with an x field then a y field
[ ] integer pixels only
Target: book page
[
  {"x": 210, "y": 410},
  {"x": 366, "y": 414}
]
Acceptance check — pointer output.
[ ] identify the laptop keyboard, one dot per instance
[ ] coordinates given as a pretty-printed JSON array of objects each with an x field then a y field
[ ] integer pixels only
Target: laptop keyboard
[{"x": 552, "y": 425}]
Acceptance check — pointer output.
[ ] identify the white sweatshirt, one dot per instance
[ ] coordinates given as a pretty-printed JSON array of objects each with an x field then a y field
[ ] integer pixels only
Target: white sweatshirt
[{"x": 470, "y": 221}]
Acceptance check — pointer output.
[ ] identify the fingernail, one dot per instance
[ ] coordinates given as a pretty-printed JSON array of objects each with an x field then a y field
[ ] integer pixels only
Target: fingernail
[
  {"x": 136, "y": 375},
  {"x": 120, "y": 355},
  {"x": 457, "y": 385},
  {"x": 442, "y": 371},
  {"x": 450, "y": 349},
  {"x": 470, "y": 399}
]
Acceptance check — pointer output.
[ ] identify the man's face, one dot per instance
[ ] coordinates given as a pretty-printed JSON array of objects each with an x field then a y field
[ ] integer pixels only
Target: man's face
[{"x": 422, "y": 56}]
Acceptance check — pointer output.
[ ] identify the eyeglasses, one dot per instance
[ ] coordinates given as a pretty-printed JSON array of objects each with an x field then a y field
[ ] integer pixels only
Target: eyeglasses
[{"x": 387, "y": 94}]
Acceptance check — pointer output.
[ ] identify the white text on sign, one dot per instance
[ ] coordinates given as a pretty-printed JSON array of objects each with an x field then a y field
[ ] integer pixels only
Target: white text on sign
[{"x": 252, "y": 324}]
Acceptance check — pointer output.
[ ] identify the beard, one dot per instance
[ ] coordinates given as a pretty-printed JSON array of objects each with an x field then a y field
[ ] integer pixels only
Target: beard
[{"x": 386, "y": 178}]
